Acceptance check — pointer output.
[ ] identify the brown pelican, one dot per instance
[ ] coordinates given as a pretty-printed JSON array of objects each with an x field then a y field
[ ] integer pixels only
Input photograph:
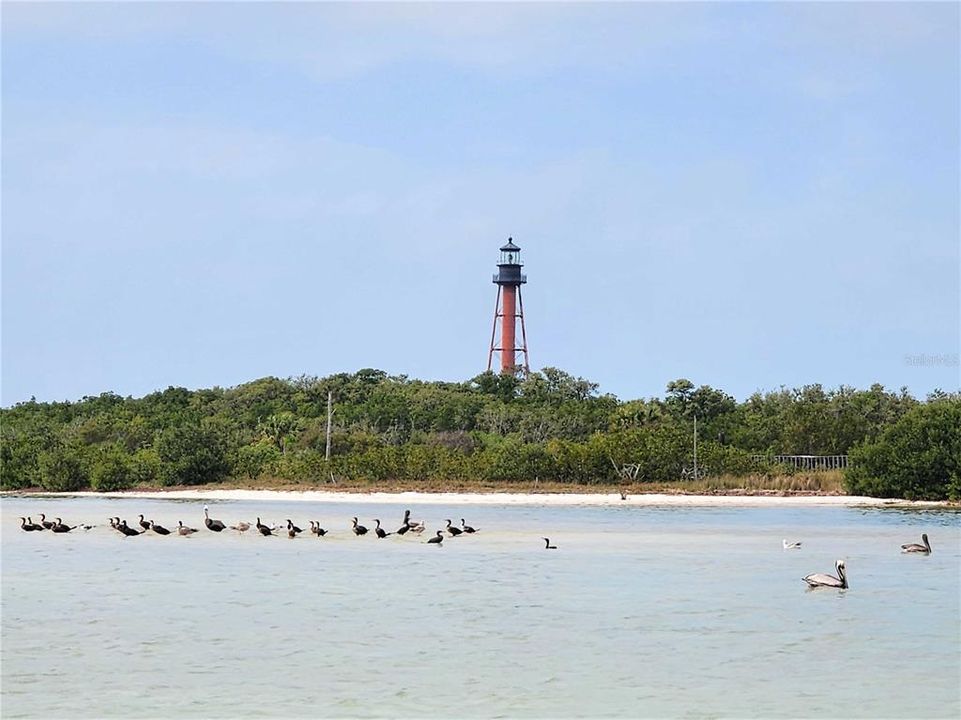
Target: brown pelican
[
  {"x": 214, "y": 525},
  {"x": 822, "y": 580},
  {"x": 467, "y": 528},
  {"x": 548, "y": 545},
  {"x": 438, "y": 539},
  {"x": 359, "y": 529},
  {"x": 159, "y": 529},
  {"x": 241, "y": 526},
  {"x": 183, "y": 529},
  {"x": 915, "y": 548},
  {"x": 454, "y": 531},
  {"x": 790, "y": 545}
]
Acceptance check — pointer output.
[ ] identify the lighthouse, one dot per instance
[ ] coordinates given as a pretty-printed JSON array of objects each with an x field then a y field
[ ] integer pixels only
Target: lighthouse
[{"x": 508, "y": 309}]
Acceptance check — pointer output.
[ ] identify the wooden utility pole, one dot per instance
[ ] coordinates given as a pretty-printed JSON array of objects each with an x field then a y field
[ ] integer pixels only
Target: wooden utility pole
[
  {"x": 695, "y": 447},
  {"x": 330, "y": 416}
]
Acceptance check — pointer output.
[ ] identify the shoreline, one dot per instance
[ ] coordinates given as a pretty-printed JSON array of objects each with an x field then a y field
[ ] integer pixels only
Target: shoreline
[{"x": 497, "y": 498}]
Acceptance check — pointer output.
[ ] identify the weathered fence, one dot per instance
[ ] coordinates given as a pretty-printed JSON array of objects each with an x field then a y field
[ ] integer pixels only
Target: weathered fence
[{"x": 805, "y": 462}]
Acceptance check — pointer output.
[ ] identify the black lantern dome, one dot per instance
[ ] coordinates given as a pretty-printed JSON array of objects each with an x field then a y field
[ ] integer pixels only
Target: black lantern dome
[{"x": 509, "y": 267}]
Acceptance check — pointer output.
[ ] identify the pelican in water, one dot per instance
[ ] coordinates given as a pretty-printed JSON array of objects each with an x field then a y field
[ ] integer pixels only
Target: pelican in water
[
  {"x": 791, "y": 545},
  {"x": 823, "y": 580},
  {"x": 915, "y": 548}
]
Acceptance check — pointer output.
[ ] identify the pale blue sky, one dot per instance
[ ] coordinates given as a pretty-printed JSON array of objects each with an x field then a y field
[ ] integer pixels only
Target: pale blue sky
[{"x": 747, "y": 195}]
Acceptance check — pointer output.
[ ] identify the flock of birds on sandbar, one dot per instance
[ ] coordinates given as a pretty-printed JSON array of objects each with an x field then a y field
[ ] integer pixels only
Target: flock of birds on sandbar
[{"x": 415, "y": 527}]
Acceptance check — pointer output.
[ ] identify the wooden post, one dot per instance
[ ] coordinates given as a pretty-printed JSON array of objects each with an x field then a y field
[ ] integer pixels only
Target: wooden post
[{"x": 330, "y": 415}]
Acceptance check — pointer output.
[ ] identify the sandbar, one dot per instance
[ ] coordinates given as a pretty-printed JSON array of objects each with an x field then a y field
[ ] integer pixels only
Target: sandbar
[{"x": 502, "y": 498}]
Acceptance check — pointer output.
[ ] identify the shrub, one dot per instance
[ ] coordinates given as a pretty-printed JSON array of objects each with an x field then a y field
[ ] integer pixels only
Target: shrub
[{"x": 916, "y": 458}]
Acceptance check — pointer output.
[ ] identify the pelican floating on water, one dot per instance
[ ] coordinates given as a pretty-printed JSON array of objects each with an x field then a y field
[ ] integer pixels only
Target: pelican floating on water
[
  {"x": 791, "y": 545},
  {"x": 915, "y": 548},
  {"x": 823, "y": 580}
]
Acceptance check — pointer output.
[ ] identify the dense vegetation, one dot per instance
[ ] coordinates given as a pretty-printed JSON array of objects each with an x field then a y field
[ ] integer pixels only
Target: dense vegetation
[{"x": 548, "y": 426}]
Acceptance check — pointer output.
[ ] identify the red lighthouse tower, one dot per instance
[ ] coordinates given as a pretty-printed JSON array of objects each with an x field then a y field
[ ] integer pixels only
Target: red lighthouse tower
[{"x": 509, "y": 308}]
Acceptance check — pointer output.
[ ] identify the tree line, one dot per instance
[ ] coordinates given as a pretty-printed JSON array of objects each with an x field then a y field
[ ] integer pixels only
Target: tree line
[{"x": 547, "y": 425}]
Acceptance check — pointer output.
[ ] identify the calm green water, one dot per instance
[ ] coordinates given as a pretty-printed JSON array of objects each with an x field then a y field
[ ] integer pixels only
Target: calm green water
[{"x": 640, "y": 612}]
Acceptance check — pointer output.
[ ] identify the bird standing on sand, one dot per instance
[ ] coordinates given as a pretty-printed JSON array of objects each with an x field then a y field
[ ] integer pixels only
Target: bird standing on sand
[
  {"x": 822, "y": 580},
  {"x": 264, "y": 529},
  {"x": 184, "y": 530},
  {"x": 241, "y": 526},
  {"x": 915, "y": 548},
  {"x": 214, "y": 525},
  {"x": 159, "y": 529}
]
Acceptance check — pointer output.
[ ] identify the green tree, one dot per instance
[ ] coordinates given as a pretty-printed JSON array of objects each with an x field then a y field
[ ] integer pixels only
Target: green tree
[
  {"x": 111, "y": 470},
  {"x": 62, "y": 469},
  {"x": 192, "y": 454},
  {"x": 916, "y": 458}
]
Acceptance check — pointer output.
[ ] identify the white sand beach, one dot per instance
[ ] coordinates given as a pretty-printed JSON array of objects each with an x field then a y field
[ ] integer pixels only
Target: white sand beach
[{"x": 494, "y": 498}]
